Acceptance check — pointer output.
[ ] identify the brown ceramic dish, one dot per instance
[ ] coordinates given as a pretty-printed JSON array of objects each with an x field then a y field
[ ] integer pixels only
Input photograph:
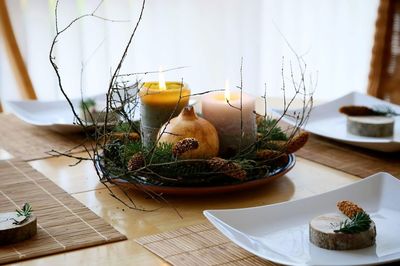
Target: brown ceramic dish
[{"x": 202, "y": 190}]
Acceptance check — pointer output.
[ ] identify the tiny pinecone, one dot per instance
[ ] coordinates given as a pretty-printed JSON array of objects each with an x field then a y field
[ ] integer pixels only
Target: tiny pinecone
[
  {"x": 122, "y": 136},
  {"x": 349, "y": 208},
  {"x": 137, "y": 161},
  {"x": 293, "y": 145},
  {"x": 259, "y": 136},
  {"x": 259, "y": 119},
  {"x": 184, "y": 145},
  {"x": 133, "y": 136},
  {"x": 279, "y": 158},
  {"x": 354, "y": 110},
  {"x": 297, "y": 142},
  {"x": 267, "y": 154},
  {"x": 228, "y": 168}
]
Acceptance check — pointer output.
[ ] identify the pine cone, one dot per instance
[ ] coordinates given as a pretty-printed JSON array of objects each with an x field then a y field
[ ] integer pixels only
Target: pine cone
[
  {"x": 297, "y": 142},
  {"x": 354, "y": 110},
  {"x": 259, "y": 119},
  {"x": 259, "y": 136},
  {"x": 184, "y": 145},
  {"x": 279, "y": 158},
  {"x": 267, "y": 154},
  {"x": 349, "y": 208},
  {"x": 216, "y": 163},
  {"x": 228, "y": 168},
  {"x": 137, "y": 161},
  {"x": 291, "y": 146},
  {"x": 133, "y": 136},
  {"x": 122, "y": 136}
]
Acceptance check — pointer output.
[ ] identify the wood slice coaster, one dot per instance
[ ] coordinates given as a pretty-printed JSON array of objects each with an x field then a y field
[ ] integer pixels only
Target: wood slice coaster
[
  {"x": 10, "y": 232},
  {"x": 322, "y": 233},
  {"x": 63, "y": 223},
  {"x": 370, "y": 126},
  {"x": 200, "y": 244}
]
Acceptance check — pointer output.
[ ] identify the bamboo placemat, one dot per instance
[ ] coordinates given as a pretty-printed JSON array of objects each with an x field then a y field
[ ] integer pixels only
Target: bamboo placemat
[
  {"x": 356, "y": 161},
  {"x": 63, "y": 222},
  {"x": 29, "y": 142},
  {"x": 199, "y": 244}
]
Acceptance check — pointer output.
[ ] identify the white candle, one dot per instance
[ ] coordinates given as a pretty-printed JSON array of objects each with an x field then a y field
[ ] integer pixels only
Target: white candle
[{"x": 226, "y": 117}]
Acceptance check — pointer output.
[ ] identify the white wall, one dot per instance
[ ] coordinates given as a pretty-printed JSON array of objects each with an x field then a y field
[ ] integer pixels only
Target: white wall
[{"x": 334, "y": 36}]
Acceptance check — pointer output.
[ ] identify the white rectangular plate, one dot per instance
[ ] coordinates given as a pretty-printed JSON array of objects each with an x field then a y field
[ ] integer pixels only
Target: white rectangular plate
[
  {"x": 279, "y": 232},
  {"x": 325, "y": 120}
]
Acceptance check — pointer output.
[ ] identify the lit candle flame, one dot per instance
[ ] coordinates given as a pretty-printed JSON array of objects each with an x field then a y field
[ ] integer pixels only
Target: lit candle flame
[
  {"x": 227, "y": 91},
  {"x": 161, "y": 80}
]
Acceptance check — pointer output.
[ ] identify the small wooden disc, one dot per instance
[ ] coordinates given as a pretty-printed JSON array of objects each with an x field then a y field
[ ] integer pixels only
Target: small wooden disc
[
  {"x": 370, "y": 126},
  {"x": 13, "y": 233}
]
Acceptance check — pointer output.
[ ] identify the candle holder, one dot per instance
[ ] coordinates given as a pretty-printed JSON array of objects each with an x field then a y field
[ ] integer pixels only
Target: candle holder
[{"x": 159, "y": 106}]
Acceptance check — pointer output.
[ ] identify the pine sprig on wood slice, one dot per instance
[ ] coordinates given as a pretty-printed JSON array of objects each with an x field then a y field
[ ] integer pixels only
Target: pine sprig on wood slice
[
  {"x": 359, "y": 223},
  {"x": 26, "y": 210}
]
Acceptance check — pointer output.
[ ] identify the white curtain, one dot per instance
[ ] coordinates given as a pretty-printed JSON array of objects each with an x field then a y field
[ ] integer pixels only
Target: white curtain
[{"x": 334, "y": 37}]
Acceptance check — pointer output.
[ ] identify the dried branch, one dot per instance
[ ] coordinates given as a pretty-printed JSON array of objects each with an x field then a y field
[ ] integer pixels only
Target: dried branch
[{"x": 112, "y": 151}]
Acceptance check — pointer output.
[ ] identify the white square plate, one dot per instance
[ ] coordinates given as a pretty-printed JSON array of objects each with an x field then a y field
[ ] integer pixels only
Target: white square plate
[
  {"x": 325, "y": 120},
  {"x": 279, "y": 232},
  {"x": 56, "y": 115}
]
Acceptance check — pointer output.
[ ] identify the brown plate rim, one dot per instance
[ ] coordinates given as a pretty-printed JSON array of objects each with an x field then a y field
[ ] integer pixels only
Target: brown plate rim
[{"x": 191, "y": 191}]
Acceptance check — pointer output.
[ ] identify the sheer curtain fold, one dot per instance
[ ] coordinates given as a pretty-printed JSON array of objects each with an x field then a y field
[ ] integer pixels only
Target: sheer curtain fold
[{"x": 210, "y": 37}]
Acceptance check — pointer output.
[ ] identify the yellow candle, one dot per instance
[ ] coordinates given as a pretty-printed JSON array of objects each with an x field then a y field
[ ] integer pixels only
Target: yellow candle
[{"x": 160, "y": 101}]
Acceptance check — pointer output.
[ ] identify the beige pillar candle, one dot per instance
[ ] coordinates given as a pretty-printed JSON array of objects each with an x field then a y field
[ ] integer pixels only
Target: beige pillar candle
[{"x": 226, "y": 117}]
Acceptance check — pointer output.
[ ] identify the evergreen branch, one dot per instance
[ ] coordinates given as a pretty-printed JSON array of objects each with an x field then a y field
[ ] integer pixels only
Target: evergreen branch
[
  {"x": 359, "y": 223},
  {"x": 25, "y": 211}
]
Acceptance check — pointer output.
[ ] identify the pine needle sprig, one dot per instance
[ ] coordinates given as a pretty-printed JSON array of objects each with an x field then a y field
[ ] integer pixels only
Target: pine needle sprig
[
  {"x": 359, "y": 223},
  {"x": 385, "y": 110},
  {"x": 267, "y": 127},
  {"x": 25, "y": 211}
]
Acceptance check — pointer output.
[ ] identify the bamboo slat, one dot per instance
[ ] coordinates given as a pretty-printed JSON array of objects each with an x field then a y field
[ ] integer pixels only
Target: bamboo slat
[
  {"x": 200, "y": 244},
  {"x": 29, "y": 142},
  {"x": 349, "y": 159},
  {"x": 63, "y": 222}
]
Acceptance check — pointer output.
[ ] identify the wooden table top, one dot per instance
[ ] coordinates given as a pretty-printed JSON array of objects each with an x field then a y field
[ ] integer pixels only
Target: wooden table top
[
  {"x": 305, "y": 179},
  {"x": 81, "y": 181}
]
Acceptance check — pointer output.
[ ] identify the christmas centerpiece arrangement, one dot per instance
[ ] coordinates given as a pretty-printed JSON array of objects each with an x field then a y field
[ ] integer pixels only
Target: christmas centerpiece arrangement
[
  {"x": 175, "y": 144},
  {"x": 220, "y": 140}
]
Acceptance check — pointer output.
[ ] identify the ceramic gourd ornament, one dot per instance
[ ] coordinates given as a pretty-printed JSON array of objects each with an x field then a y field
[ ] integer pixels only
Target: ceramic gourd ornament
[{"x": 188, "y": 125}]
